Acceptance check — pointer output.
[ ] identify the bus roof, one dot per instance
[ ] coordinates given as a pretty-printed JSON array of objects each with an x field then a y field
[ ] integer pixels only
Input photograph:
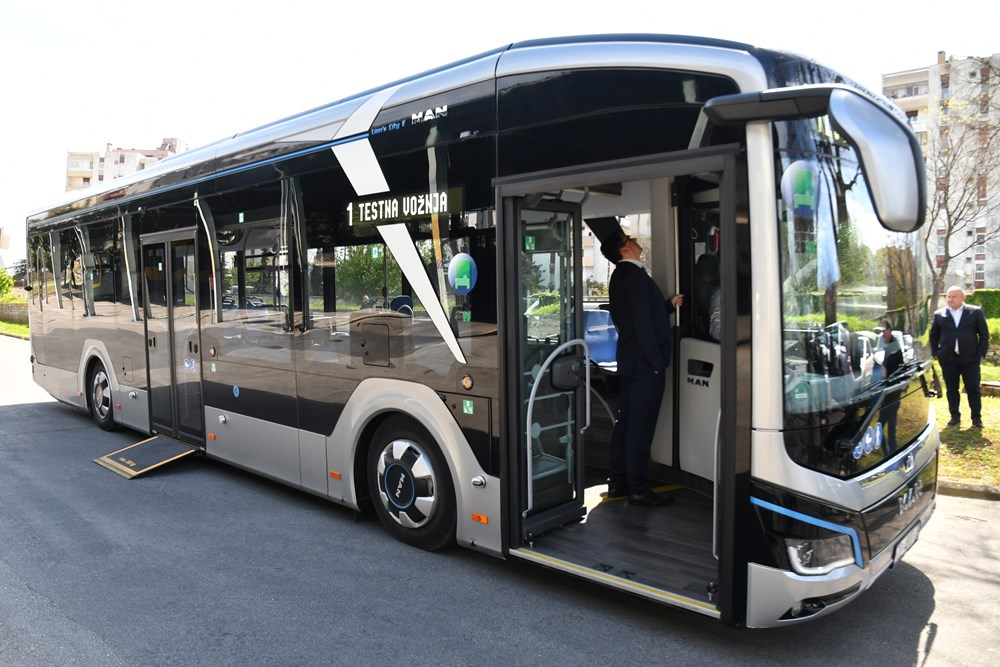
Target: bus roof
[{"x": 197, "y": 164}]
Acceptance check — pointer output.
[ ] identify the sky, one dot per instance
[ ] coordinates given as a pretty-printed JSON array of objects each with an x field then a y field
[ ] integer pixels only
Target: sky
[{"x": 76, "y": 76}]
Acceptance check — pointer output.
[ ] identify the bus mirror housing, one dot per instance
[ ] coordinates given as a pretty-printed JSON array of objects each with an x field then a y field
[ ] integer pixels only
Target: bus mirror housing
[{"x": 889, "y": 152}]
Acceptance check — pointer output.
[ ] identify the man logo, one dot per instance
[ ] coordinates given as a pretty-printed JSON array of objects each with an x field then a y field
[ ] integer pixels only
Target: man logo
[{"x": 430, "y": 114}]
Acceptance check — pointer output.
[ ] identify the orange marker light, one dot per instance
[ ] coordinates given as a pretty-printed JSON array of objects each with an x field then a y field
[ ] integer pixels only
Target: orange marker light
[
  {"x": 480, "y": 518},
  {"x": 334, "y": 474},
  {"x": 211, "y": 436}
]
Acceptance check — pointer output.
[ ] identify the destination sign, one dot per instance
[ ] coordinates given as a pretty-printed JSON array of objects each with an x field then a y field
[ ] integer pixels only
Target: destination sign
[{"x": 405, "y": 207}]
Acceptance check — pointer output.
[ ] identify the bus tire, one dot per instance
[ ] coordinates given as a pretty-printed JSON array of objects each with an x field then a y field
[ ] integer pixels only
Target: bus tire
[
  {"x": 99, "y": 398},
  {"x": 411, "y": 485}
]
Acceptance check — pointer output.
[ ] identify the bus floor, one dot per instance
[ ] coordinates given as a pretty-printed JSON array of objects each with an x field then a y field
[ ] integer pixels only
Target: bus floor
[{"x": 667, "y": 548}]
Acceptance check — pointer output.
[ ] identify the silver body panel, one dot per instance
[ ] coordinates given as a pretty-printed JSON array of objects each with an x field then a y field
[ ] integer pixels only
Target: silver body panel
[
  {"x": 64, "y": 386},
  {"x": 254, "y": 444},
  {"x": 767, "y": 409},
  {"x": 771, "y": 592},
  {"x": 740, "y": 66},
  {"x": 770, "y": 463},
  {"x": 325, "y": 465}
]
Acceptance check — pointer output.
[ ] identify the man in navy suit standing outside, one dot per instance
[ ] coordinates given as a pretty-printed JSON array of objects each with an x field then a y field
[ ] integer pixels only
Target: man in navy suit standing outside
[
  {"x": 959, "y": 340},
  {"x": 645, "y": 346}
]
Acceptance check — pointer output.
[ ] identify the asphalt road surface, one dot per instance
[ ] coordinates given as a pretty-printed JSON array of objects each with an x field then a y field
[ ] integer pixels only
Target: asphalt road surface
[{"x": 203, "y": 564}]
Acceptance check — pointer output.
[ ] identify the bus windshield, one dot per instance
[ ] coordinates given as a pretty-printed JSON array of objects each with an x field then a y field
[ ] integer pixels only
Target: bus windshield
[{"x": 854, "y": 294}]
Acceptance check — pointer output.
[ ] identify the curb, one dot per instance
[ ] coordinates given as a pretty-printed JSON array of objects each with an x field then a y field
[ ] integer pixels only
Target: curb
[{"x": 966, "y": 490}]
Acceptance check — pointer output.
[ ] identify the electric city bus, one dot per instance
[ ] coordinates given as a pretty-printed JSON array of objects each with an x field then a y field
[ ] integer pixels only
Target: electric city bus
[{"x": 398, "y": 302}]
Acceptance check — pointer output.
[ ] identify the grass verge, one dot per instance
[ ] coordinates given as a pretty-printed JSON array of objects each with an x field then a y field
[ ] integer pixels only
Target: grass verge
[
  {"x": 11, "y": 329},
  {"x": 968, "y": 454}
]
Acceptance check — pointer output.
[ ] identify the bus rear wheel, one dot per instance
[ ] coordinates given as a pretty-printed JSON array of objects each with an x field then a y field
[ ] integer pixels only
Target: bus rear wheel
[
  {"x": 411, "y": 485},
  {"x": 99, "y": 397}
]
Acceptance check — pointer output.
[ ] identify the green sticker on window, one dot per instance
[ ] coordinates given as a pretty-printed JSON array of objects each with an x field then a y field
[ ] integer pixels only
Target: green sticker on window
[
  {"x": 467, "y": 406},
  {"x": 466, "y": 316},
  {"x": 529, "y": 243}
]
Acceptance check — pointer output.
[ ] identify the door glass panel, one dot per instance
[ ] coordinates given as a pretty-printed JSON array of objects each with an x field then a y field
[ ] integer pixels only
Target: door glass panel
[
  {"x": 186, "y": 341},
  {"x": 154, "y": 263},
  {"x": 547, "y": 296}
]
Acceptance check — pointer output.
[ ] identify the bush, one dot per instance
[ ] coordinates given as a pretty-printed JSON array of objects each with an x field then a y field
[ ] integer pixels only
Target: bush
[
  {"x": 994, "y": 324},
  {"x": 546, "y": 298},
  {"x": 988, "y": 300},
  {"x": 6, "y": 284}
]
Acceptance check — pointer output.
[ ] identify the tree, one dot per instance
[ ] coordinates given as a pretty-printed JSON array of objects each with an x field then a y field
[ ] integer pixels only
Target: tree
[
  {"x": 6, "y": 284},
  {"x": 962, "y": 159},
  {"x": 366, "y": 270}
]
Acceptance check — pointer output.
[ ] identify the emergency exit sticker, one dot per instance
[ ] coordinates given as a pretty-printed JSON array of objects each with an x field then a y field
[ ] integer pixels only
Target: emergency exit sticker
[
  {"x": 529, "y": 243},
  {"x": 467, "y": 406}
]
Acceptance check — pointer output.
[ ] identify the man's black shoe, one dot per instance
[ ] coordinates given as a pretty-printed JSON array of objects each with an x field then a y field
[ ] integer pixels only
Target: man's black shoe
[
  {"x": 617, "y": 491},
  {"x": 978, "y": 423},
  {"x": 954, "y": 422},
  {"x": 649, "y": 499}
]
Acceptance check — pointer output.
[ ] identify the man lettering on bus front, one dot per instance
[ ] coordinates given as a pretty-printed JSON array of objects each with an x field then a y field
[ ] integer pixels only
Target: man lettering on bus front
[
  {"x": 959, "y": 341},
  {"x": 642, "y": 318}
]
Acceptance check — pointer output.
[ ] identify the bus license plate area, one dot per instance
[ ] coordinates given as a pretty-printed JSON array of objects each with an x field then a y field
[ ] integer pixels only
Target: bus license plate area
[{"x": 907, "y": 541}]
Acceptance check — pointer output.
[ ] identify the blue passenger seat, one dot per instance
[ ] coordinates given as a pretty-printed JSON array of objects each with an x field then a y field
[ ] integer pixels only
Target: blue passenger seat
[{"x": 600, "y": 335}]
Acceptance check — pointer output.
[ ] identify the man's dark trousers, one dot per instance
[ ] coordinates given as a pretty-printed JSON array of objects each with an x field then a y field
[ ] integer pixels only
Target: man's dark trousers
[
  {"x": 968, "y": 371},
  {"x": 640, "y": 397}
]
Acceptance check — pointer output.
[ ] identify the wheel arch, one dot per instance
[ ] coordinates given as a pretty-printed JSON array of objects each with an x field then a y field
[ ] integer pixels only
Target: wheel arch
[
  {"x": 373, "y": 402},
  {"x": 94, "y": 351}
]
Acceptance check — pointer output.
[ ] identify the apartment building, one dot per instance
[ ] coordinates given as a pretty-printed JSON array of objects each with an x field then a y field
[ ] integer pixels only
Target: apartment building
[
  {"x": 953, "y": 107},
  {"x": 85, "y": 169}
]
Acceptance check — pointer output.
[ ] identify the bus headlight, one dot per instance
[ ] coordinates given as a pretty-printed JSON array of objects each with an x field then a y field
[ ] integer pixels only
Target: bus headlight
[{"x": 819, "y": 555}]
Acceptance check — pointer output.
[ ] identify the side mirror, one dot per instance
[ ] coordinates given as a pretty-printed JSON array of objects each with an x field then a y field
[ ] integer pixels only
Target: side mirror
[{"x": 889, "y": 152}]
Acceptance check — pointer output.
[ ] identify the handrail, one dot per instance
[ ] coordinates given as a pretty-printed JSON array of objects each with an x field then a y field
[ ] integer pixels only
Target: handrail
[{"x": 531, "y": 404}]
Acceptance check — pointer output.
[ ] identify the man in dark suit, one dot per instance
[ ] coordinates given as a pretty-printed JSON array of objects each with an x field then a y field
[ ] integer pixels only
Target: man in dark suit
[
  {"x": 645, "y": 345},
  {"x": 959, "y": 340}
]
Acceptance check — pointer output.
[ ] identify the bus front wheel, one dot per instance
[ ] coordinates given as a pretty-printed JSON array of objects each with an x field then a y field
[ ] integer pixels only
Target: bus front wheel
[
  {"x": 411, "y": 485},
  {"x": 99, "y": 397}
]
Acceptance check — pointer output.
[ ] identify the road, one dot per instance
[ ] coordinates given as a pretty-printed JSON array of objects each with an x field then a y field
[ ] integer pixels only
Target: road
[{"x": 203, "y": 564}]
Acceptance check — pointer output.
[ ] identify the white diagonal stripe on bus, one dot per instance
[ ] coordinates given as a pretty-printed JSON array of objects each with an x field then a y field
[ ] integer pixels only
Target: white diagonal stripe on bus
[{"x": 400, "y": 243}]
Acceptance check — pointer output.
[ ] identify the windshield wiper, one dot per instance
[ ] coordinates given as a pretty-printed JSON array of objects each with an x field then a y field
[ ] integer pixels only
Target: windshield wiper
[{"x": 898, "y": 380}]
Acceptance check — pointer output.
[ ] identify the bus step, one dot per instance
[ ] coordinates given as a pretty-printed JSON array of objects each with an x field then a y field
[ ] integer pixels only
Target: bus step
[{"x": 144, "y": 456}]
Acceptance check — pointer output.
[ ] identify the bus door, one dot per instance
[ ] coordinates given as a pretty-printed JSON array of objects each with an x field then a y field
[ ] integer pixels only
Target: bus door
[
  {"x": 173, "y": 339},
  {"x": 550, "y": 363}
]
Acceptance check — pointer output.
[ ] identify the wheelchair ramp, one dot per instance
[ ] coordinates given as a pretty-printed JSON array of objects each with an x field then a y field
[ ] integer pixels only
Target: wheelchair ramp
[{"x": 144, "y": 456}]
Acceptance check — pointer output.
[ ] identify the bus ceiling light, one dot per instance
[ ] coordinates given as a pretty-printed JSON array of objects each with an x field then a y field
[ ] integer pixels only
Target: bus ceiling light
[
  {"x": 820, "y": 555},
  {"x": 467, "y": 382}
]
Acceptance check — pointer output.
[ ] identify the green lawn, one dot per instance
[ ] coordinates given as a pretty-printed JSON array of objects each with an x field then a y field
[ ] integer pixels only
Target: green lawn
[
  {"x": 970, "y": 454},
  {"x": 9, "y": 329}
]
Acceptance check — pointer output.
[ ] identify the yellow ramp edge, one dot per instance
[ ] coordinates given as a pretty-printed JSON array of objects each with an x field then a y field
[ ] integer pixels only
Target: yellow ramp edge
[{"x": 144, "y": 456}]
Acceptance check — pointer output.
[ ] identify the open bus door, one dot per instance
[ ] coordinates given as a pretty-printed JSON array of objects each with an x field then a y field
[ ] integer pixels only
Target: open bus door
[
  {"x": 551, "y": 362},
  {"x": 173, "y": 337},
  {"x": 692, "y": 554}
]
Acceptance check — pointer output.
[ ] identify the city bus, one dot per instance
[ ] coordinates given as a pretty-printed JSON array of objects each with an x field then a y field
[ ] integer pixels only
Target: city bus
[{"x": 398, "y": 302}]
